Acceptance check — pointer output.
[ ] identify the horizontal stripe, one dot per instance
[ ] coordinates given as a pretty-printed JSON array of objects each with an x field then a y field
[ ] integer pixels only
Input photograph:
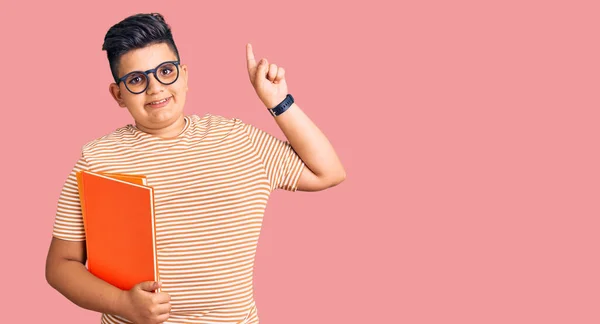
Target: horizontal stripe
[{"x": 211, "y": 188}]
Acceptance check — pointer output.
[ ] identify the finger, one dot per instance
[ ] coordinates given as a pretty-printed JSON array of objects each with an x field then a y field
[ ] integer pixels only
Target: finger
[
  {"x": 261, "y": 70},
  {"x": 280, "y": 74},
  {"x": 163, "y": 309},
  {"x": 149, "y": 286},
  {"x": 162, "y": 318},
  {"x": 272, "y": 72},
  {"x": 250, "y": 57},
  {"x": 162, "y": 298}
]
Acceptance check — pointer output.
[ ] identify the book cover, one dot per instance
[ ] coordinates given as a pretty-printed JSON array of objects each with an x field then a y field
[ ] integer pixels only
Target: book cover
[{"x": 118, "y": 216}]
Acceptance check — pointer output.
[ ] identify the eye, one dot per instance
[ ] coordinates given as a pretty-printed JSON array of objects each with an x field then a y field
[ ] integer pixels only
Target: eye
[
  {"x": 135, "y": 80},
  {"x": 166, "y": 71}
]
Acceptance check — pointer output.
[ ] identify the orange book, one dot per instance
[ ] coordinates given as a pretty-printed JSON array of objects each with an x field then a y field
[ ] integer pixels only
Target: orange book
[{"x": 118, "y": 216}]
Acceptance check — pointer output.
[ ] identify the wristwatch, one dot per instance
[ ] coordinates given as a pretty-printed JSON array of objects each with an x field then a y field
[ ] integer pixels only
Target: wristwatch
[{"x": 283, "y": 106}]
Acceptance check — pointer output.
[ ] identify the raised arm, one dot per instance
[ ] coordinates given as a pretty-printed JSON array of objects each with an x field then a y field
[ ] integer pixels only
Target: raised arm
[{"x": 323, "y": 167}]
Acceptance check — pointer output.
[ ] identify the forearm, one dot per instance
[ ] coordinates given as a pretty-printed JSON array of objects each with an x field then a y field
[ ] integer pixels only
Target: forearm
[
  {"x": 75, "y": 282},
  {"x": 310, "y": 144}
]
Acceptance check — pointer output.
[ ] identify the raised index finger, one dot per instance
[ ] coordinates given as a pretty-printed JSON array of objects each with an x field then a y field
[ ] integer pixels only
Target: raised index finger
[{"x": 250, "y": 56}]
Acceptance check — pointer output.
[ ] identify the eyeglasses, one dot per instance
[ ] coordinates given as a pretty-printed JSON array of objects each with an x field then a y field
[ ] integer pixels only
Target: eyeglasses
[{"x": 137, "y": 81}]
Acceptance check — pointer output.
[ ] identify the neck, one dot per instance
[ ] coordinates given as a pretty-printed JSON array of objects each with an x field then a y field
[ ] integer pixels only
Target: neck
[{"x": 169, "y": 131}]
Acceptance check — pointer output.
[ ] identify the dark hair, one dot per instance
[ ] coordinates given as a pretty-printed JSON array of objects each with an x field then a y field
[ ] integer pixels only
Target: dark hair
[{"x": 133, "y": 32}]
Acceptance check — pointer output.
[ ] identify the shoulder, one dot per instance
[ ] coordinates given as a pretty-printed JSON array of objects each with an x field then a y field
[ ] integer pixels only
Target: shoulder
[
  {"x": 122, "y": 136},
  {"x": 111, "y": 138},
  {"x": 217, "y": 123},
  {"x": 215, "y": 119}
]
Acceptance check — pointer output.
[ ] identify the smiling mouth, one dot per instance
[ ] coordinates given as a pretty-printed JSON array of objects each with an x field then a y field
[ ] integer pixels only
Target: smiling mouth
[{"x": 159, "y": 102}]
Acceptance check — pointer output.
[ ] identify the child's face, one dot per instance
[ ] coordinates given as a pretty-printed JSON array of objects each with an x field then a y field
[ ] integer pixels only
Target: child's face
[{"x": 140, "y": 106}]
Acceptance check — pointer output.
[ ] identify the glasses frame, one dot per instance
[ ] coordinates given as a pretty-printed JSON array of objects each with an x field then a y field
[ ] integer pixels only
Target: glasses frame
[{"x": 147, "y": 73}]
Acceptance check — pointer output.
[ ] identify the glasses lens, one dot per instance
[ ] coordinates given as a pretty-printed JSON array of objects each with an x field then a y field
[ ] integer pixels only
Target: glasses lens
[
  {"x": 136, "y": 82},
  {"x": 167, "y": 73}
]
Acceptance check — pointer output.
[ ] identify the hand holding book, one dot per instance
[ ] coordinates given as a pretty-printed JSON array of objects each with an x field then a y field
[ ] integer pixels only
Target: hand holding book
[{"x": 142, "y": 305}]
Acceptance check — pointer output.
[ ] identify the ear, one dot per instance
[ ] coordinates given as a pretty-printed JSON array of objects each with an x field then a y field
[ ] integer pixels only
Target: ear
[
  {"x": 115, "y": 92},
  {"x": 184, "y": 72}
]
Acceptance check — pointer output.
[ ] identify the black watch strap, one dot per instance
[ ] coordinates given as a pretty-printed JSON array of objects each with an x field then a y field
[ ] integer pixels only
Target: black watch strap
[{"x": 283, "y": 106}]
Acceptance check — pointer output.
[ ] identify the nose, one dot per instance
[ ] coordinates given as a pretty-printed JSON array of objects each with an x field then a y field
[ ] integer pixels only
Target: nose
[{"x": 153, "y": 85}]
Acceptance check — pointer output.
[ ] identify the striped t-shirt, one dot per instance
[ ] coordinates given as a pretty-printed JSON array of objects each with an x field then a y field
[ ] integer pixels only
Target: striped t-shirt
[{"x": 211, "y": 186}]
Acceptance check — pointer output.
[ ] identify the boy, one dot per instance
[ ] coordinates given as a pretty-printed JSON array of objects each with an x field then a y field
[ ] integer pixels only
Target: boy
[{"x": 212, "y": 177}]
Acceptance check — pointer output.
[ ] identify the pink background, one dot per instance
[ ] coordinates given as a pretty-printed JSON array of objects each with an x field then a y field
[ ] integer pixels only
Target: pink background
[{"x": 469, "y": 132}]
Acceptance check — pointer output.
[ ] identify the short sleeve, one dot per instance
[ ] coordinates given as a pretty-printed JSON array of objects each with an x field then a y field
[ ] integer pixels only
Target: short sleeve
[
  {"x": 68, "y": 224},
  {"x": 282, "y": 164}
]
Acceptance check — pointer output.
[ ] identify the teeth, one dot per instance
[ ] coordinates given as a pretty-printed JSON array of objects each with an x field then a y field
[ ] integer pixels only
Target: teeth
[{"x": 158, "y": 102}]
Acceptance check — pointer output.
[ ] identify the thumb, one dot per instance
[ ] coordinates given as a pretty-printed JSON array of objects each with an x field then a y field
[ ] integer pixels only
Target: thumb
[
  {"x": 149, "y": 286},
  {"x": 263, "y": 68}
]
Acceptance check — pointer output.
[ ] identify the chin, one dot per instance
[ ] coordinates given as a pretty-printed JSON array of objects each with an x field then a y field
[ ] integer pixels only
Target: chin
[{"x": 168, "y": 116}]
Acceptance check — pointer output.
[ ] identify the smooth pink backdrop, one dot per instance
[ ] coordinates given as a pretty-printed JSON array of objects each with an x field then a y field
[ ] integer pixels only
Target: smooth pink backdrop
[{"x": 469, "y": 131}]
